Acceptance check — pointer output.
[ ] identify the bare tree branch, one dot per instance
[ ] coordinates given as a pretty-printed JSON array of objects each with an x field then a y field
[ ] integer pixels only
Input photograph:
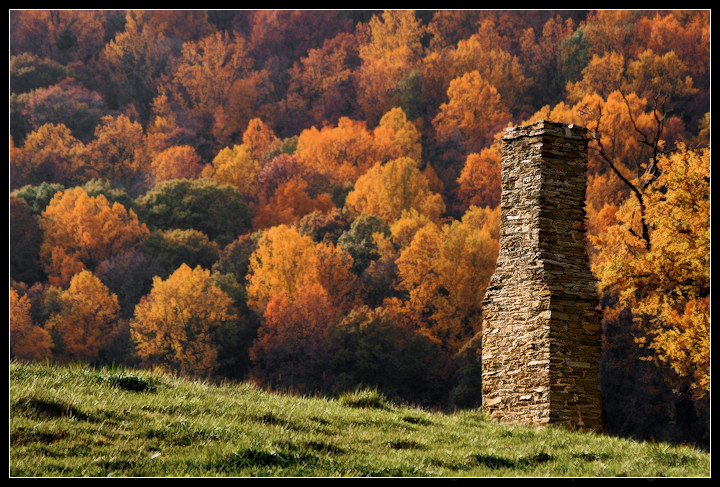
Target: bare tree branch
[
  {"x": 653, "y": 143},
  {"x": 651, "y": 169}
]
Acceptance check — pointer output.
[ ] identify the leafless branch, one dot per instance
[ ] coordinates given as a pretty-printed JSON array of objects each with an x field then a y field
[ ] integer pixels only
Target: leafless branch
[
  {"x": 600, "y": 149},
  {"x": 653, "y": 143}
]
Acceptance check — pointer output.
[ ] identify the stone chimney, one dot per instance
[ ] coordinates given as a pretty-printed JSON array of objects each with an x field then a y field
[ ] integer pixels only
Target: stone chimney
[{"x": 541, "y": 325}]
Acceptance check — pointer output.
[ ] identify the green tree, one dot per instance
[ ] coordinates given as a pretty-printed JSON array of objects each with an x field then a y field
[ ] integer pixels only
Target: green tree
[
  {"x": 360, "y": 242},
  {"x": 29, "y": 72},
  {"x": 38, "y": 197},
  {"x": 172, "y": 248},
  {"x": 25, "y": 240},
  {"x": 372, "y": 348},
  {"x": 216, "y": 210}
]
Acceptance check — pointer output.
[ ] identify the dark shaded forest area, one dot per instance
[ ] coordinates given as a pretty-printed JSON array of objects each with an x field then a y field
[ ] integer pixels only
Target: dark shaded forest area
[{"x": 310, "y": 199}]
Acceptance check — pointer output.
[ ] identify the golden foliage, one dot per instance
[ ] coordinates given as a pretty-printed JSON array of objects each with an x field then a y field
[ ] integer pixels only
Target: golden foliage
[
  {"x": 474, "y": 112},
  {"x": 342, "y": 153},
  {"x": 445, "y": 271},
  {"x": 81, "y": 231},
  {"x": 393, "y": 50},
  {"x": 118, "y": 151},
  {"x": 175, "y": 326},
  {"x": 285, "y": 261},
  {"x": 399, "y": 135},
  {"x": 27, "y": 341},
  {"x": 667, "y": 287},
  {"x": 88, "y": 320},
  {"x": 49, "y": 153},
  {"x": 235, "y": 167},
  {"x": 386, "y": 190},
  {"x": 479, "y": 181}
]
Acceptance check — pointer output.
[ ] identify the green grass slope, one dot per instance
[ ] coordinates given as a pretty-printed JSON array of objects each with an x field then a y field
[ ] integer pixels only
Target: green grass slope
[{"x": 77, "y": 421}]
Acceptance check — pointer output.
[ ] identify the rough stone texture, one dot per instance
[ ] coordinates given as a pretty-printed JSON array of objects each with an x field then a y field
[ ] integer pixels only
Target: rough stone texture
[{"x": 541, "y": 326}]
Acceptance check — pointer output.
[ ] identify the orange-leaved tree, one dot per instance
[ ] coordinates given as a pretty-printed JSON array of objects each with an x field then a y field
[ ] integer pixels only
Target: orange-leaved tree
[
  {"x": 288, "y": 204},
  {"x": 320, "y": 85},
  {"x": 203, "y": 81},
  {"x": 176, "y": 162},
  {"x": 259, "y": 138},
  {"x": 81, "y": 231},
  {"x": 177, "y": 326},
  {"x": 473, "y": 114},
  {"x": 27, "y": 340},
  {"x": 51, "y": 154},
  {"x": 479, "y": 181},
  {"x": 292, "y": 347},
  {"x": 342, "y": 153},
  {"x": 88, "y": 320}
]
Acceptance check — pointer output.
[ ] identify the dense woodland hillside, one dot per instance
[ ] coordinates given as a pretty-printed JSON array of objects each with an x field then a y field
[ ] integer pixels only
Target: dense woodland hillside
[{"x": 310, "y": 199}]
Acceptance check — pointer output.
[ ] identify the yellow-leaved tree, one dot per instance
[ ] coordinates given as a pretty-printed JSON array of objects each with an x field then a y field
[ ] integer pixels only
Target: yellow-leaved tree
[
  {"x": 666, "y": 285},
  {"x": 401, "y": 137},
  {"x": 118, "y": 152},
  {"x": 386, "y": 190},
  {"x": 389, "y": 56},
  {"x": 445, "y": 271},
  {"x": 236, "y": 167},
  {"x": 286, "y": 261},
  {"x": 474, "y": 112},
  {"x": 177, "y": 326}
]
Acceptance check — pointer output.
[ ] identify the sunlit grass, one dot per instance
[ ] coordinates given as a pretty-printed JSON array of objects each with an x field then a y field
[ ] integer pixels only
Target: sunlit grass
[{"x": 77, "y": 421}]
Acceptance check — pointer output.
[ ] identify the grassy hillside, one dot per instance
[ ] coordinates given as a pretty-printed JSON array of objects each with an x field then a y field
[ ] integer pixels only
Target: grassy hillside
[{"x": 76, "y": 421}]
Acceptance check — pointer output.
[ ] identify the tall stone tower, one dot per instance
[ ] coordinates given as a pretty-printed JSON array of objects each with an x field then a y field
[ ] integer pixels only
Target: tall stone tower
[{"x": 541, "y": 326}]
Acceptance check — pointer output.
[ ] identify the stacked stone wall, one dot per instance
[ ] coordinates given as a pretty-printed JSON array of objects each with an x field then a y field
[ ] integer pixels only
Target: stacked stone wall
[{"x": 541, "y": 324}]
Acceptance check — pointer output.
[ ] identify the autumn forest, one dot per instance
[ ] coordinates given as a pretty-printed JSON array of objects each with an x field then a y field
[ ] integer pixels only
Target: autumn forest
[{"x": 309, "y": 200}]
